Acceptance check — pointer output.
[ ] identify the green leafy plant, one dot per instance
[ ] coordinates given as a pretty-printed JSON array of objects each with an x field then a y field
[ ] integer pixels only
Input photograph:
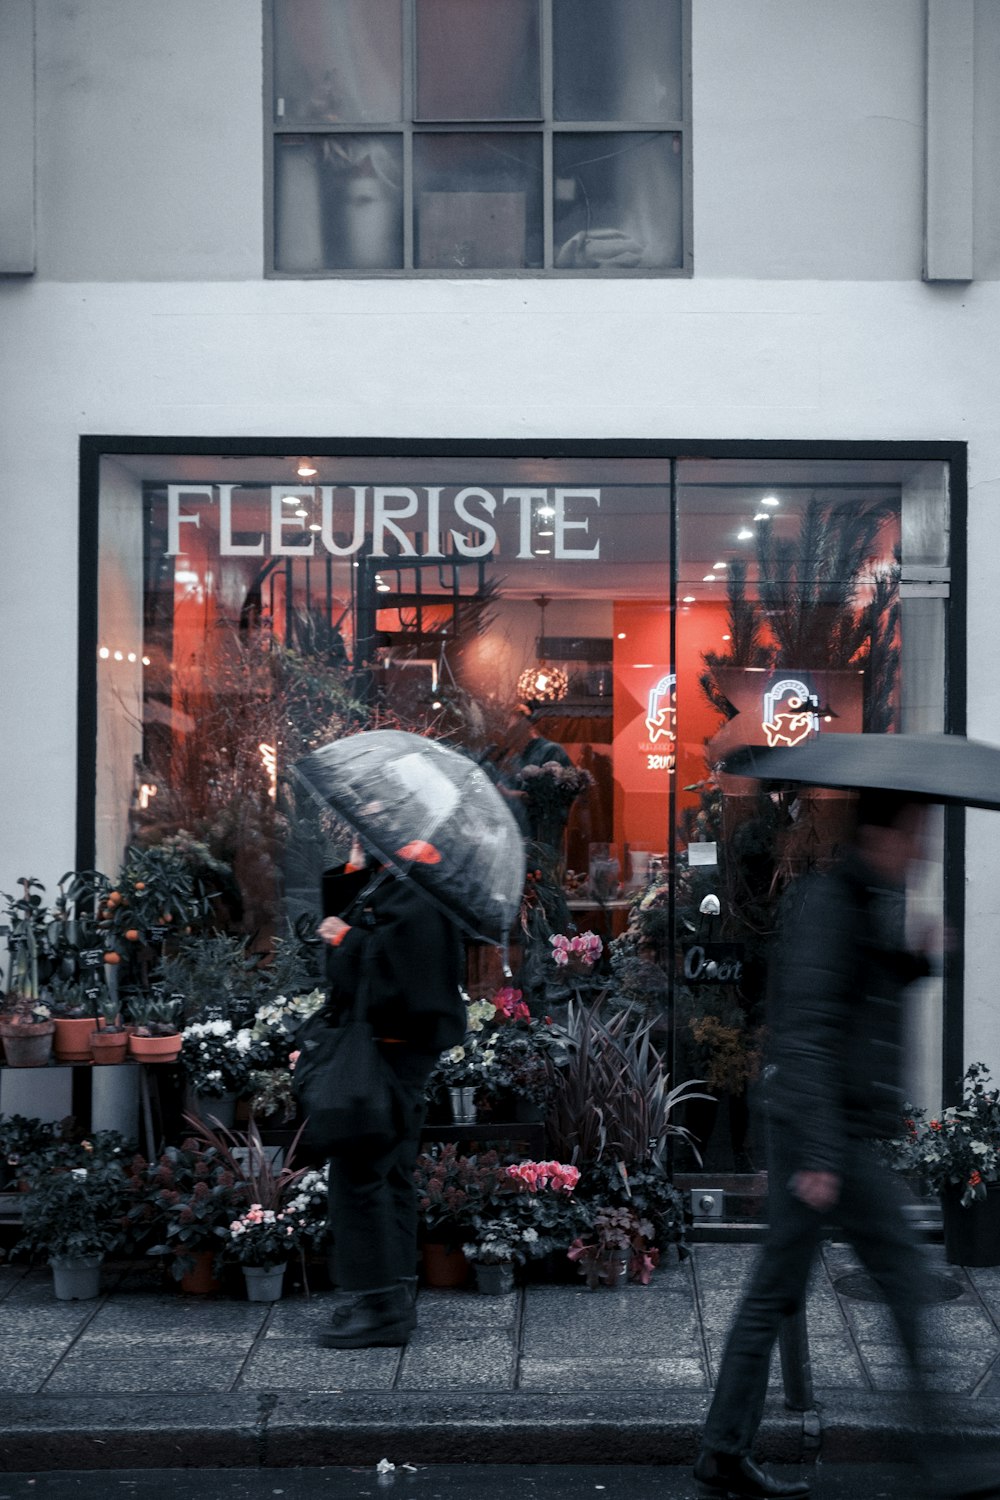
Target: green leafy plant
[
  {"x": 217, "y": 1057},
  {"x": 77, "y": 1196},
  {"x": 614, "y": 1101},
  {"x": 26, "y": 940},
  {"x": 617, "y": 1243},
  {"x": 960, "y": 1147},
  {"x": 154, "y": 1014},
  {"x": 183, "y": 1203}
]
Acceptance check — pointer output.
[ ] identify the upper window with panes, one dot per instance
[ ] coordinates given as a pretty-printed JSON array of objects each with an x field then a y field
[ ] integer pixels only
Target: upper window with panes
[{"x": 478, "y": 137}]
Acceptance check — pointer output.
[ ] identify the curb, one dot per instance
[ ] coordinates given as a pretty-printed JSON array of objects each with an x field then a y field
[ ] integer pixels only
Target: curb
[{"x": 272, "y": 1430}]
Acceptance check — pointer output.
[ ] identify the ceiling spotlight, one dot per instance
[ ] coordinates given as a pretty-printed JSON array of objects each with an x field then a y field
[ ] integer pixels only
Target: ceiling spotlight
[
  {"x": 762, "y": 515},
  {"x": 708, "y": 578},
  {"x": 305, "y": 469},
  {"x": 719, "y": 566},
  {"x": 546, "y": 531},
  {"x": 546, "y": 511},
  {"x": 745, "y": 535},
  {"x": 727, "y": 637},
  {"x": 315, "y": 526},
  {"x": 104, "y": 653},
  {"x": 291, "y": 500},
  {"x": 145, "y": 661},
  {"x": 688, "y": 599},
  {"x": 621, "y": 635},
  {"x": 302, "y": 514},
  {"x": 771, "y": 500},
  {"x": 383, "y": 588}
]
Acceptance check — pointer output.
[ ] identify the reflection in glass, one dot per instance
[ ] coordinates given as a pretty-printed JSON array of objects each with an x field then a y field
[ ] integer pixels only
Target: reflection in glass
[
  {"x": 617, "y": 60},
  {"x": 477, "y": 60},
  {"x": 477, "y": 200},
  {"x": 338, "y": 61},
  {"x": 338, "y": 203},
  {"x": 617, "y": 201}
]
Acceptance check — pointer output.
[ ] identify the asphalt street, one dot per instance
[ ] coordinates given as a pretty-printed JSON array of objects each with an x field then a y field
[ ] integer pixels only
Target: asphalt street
[{"x": 465, "y": 1482}]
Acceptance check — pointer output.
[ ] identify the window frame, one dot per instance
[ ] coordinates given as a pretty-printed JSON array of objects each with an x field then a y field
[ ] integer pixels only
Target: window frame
[{"x": 546, "y": 126}]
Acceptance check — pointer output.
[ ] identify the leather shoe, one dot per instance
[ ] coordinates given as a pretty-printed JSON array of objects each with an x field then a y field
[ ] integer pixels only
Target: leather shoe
[
  {"x": 377, "y": 1319},
  {"x": 736, "y": 1477}
]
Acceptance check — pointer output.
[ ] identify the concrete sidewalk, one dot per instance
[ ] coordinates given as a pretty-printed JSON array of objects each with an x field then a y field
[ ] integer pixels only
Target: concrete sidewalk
[{"x": 550, "y": 1373}]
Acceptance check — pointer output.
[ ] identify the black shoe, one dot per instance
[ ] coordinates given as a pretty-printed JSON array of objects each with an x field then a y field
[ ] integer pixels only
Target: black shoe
[
  {"x": 383, "y": 1318},
  {"x": 737, "y": 1477}
]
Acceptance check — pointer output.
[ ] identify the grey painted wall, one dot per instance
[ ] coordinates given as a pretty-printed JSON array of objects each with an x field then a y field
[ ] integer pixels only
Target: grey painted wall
[{"x": 808, "y": 139}]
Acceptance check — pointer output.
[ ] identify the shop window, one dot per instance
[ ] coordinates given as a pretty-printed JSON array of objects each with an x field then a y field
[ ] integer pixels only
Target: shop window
[
  {"x": 528, "y": 611},
  {"x": 811, "y": 600},
  {"x": 478, "y": 136}
]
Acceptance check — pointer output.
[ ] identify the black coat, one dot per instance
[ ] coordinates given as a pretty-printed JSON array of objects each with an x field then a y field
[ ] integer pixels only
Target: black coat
[
  {"x": 407, "y": 953},
  {"x": 837, "y": 996}
]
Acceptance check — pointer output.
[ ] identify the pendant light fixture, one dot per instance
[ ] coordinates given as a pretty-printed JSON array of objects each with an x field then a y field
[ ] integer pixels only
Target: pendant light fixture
[{"x": 542, "y": 683}]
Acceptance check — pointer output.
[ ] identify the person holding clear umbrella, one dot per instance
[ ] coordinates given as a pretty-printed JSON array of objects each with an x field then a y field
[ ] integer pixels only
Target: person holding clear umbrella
[
  {"x": 441, "y": 855},
  {"x": 404, "y": 955}
]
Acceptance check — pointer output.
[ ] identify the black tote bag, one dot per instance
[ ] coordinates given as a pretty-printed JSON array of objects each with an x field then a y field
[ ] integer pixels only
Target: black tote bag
[{"x": 344, "y": 1086}]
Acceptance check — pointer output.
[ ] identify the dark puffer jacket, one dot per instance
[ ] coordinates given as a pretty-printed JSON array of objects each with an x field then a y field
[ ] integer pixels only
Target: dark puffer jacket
[
  {"x": 837, "y": 1013},
  {"x": 405, "y": 950}
]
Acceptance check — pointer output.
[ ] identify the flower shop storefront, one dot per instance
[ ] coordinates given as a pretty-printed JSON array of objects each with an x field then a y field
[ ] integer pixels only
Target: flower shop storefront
[{"x": 595, "y": 624}]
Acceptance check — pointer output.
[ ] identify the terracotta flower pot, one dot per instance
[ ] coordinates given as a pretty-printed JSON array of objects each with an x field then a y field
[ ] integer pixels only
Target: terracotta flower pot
[
  {"x": 71, "y": 1042},
  {"x": 108, "y": 1046},
  {"x": 155, "y": 1049},
  {"x": 27, "y": 1044},
  {"x": 200, "y": 1281},
  {"x": 444, "y": 1267}
]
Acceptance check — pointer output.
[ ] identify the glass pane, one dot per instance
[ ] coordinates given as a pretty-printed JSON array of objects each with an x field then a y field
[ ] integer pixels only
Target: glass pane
[
  {"x": 478, "y": 60},
  {"x": 790, "y": 624},
  {"x": 338, "y": 203},
  {"x": 617, "y": 60},
  {"x": 617, "y": 201},
  {"x": 338, "y": 61},
  {"x": 267, "y": 614},
  {"x": 477, "y": 201}
]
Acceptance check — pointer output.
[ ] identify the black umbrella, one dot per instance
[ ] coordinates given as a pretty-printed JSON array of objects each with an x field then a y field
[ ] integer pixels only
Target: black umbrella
[
  {"x": 944, "y": 767},
  {"x": 431, "y": 814}
]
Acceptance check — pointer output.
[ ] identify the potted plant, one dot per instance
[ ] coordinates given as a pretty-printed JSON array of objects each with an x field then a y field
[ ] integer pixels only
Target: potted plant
[
  {"x": 530, "y": 1212},
  {"x": 616, "y": 1247},
  {"x": 108, "y": 1039},
  {"x": 452, "y": 1192},
  {"x": 74, "y": 1014},
  {"x": 75, "y": 1211},
  {"x": 185, "y": 1202},
  {"x": 261, "y": 1240},
  {"x": 21, "y": 1139},
  {"x": 26, "y": 1024},
  {"x": 217, "y": 1058},
  {"x": 957, "y": 1155},
  {"x": 155, "y": 1035},
  {"x": 494, "y": 1250}
]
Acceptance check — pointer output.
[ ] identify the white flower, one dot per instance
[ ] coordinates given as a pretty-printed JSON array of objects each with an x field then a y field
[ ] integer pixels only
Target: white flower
[{"x": 456, "y": 1055}]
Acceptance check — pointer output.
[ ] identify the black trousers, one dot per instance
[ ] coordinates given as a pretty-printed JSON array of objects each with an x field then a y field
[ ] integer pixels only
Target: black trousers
[
  {"x": 871, "y": 1216},
  {"x": 372, "y": 1200}
]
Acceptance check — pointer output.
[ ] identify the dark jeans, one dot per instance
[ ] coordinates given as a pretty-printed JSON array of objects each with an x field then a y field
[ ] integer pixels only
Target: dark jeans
[
  {"x": 870, "y": 1215},
  {"x": 372, "y": 1214}
]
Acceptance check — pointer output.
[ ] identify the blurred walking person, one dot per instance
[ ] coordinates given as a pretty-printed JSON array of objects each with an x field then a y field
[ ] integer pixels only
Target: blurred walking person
[{"x": 834, "y": 1086}]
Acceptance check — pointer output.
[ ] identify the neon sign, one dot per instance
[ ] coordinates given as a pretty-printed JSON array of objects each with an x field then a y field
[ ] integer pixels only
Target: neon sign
[
  {"x": 661, "y": 722},
  {"x": 789, "y": 713}
]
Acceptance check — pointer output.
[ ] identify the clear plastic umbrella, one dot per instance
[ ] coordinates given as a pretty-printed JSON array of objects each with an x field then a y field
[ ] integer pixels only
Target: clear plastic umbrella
[
  {"x": 944, "y": 767},
  {"x": 431, "y": 814}
]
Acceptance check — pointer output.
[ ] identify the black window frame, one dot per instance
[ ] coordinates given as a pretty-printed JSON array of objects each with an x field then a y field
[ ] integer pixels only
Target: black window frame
[{"x": 547, "y": 127}]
